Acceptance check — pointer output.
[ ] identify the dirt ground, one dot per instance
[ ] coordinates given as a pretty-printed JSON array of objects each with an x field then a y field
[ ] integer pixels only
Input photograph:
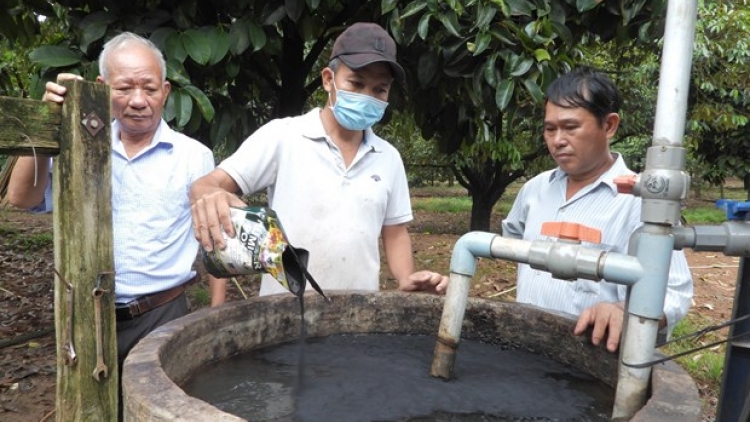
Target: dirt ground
[{"x": 27, "y": 344}]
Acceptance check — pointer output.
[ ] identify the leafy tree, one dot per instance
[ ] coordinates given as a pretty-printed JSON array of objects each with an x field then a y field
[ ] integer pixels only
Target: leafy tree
[
  {"x": 233, "y": 64},
  {"x": 720, "y": 93},
  {"x": 478, "y": 70},
  {"x": 635, "y": 71},
  {"x": 424, "y": 163},
  {"x": 22, "y": 31}
]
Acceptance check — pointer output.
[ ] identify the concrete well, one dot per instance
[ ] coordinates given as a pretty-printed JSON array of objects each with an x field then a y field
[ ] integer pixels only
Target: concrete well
[{"x": 168, "y": 356}]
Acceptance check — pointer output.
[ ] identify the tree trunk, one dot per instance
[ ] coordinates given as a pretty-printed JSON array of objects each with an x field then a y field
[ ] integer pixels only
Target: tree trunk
[
  {"x": 293, "y": 73},
  {"x": 486, "y": 184},
  {"x": 481, "y": 212}
]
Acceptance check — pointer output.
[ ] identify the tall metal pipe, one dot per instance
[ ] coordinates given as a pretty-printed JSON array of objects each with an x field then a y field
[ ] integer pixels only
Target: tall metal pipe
[
  {"x": 662, "y": 186},
  {"x": 674, "y": 72}
]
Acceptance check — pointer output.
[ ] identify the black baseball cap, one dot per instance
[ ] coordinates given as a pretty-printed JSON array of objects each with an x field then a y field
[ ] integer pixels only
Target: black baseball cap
[{"x": 365, "y": 43}]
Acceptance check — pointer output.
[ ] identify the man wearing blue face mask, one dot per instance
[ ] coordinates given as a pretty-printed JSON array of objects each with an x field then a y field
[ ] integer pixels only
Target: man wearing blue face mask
[{"x": 335, "y": 185}]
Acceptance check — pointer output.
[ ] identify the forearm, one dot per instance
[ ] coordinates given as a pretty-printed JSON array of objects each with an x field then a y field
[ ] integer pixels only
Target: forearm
[
  {"x": 398, "y": 253},
  {"x": 218, "y": 289},
  {"x": 28, "y": 181},
  {"x": 206, "y": 185}
]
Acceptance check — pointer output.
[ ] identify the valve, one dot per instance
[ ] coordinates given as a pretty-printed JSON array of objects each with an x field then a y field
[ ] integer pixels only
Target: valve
[
  {"x": 626, "y": 184},
  {"x": 572, "y": 232}
]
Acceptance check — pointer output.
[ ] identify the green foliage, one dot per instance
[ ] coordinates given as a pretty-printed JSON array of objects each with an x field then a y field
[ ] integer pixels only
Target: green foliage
[
  {"x": 199, "y": 296},
  {"x": 705, "y": 365},
  {"x": 21, "y": 30},
  {"x": 424, "y": 163},
  {"x": 24, "y": 242},
  {"x": 477, "y": 71},
  {"x": 704, "y": 215},
  {"x": 720, "y": 95},
  {"x": 233, "y": 65}
]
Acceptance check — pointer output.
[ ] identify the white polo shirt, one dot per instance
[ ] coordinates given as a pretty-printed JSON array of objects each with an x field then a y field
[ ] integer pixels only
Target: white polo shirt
[{"x": 334, "y": 212}]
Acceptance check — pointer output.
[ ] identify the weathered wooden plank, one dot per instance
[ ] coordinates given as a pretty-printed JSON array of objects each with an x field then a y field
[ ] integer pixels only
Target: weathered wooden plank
[
  {"x": 83, "y": 252},
  {"x": 29, "y": 126}
]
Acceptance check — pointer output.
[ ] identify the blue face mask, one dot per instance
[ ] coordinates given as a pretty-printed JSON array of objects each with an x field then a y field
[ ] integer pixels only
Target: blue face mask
[{"x": 357, "y": 111}]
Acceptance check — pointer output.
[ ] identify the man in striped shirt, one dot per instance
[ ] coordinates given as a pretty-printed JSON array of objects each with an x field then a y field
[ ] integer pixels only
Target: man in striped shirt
[{"x": 581, "y": 117}]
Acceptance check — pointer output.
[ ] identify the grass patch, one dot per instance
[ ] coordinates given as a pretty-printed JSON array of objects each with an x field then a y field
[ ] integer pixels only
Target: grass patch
[
  {"x": 34, "y": 241},
  {"x": 442, "y": 204},
  {"x": 25, "y": 242},
  {"x": 7, "y": 231},
  {"x": 199, "y": 296},
  {"x": 704, "y": 215},
  {"x": 703, "y": 365},
  {"x": 441, "y": 190},
  {"x": 452, "y": 204}
]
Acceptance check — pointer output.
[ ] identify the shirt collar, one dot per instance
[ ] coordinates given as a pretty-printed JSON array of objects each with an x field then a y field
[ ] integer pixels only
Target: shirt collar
[
  {"x": 312, "y": 128},
  {"x": 618, "y": 168},
  {"x": 157, "y": 140}
]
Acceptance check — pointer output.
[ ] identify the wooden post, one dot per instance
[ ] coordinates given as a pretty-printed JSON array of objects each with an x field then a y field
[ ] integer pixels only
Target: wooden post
[{"x": 80, "y": 132}]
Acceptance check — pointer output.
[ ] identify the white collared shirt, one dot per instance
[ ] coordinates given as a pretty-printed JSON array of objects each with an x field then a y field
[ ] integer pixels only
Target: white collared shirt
[
  {"x": 598, "y": 205},
  {"x": 336, "y": 213}
]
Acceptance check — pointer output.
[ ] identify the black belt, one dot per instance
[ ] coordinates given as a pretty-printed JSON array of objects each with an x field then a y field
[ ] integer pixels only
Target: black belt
[{"x": 143, "y": 304}]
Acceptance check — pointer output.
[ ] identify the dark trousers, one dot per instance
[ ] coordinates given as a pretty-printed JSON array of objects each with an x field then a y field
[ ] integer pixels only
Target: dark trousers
[{"x": 130, "y": 332}]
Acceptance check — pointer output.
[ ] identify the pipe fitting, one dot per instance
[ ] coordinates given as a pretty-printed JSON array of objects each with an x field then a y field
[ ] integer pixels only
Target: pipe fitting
[
  {"x": 468, "y": 247},
  {"x": 731, "y": 237},
  {"x": 566, "y": 261},
  {"x": 663, "y": 185}
]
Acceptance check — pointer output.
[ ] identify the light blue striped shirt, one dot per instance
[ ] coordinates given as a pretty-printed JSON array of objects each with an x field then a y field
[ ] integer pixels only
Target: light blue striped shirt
[
  {"x": 600, "y": 206},
  {"x": 46, "y": 205},
  {"x": 154, "y": 243}
]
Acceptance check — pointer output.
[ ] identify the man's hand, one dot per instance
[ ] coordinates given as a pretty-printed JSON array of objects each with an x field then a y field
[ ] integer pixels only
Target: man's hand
[
  {"x": 425, "y": 281},
  {"x": 210, "y": 214},
  {"x": 606, "y": 317},
  {"x": 54, "y": 92}
]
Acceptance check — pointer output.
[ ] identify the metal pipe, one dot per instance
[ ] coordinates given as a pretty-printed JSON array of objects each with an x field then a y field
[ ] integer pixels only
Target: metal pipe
[
  {"x": 662, "y": 186},
  {"x": 674, "y": 73},
  {"x": 463, "y": 265},
  {"x": 645, "y": 309},
  {"x": 564, "y": 260},
  {"x": 731, "y": 237},
  {"x": 631, "y": 393}
]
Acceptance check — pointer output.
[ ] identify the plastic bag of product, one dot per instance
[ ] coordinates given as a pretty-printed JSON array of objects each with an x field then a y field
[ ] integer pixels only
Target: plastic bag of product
[{"x": 260, "y": 246}]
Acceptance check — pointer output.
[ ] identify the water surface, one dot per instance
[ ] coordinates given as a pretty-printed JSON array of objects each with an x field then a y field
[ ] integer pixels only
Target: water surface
[{"x": 382, "y": 377}]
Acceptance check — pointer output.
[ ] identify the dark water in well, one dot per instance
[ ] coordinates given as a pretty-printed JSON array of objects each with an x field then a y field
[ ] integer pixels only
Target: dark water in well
[{"x": 367, "y": 378}]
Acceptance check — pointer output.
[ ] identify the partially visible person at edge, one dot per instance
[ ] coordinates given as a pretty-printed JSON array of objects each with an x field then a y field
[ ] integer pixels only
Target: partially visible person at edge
[
  {"x": 335, "y": 185},
  {"x": 581, "y": 117},
  {"x": 152, "y": 169}
]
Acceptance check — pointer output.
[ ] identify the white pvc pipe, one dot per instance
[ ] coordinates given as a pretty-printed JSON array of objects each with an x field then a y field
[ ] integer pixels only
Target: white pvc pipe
[
  {"x": 674, "y": 73},
  {"x": 449, "y": 333},
  {"x": 631, "y": 392}
]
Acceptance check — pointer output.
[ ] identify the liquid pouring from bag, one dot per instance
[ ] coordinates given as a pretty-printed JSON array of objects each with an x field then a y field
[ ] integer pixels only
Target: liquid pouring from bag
[{"x": 261, "y": 246}]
